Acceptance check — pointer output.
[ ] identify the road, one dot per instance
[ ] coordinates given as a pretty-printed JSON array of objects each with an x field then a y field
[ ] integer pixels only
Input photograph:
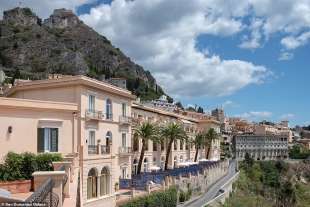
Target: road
[{"x": 213, "y": 191}]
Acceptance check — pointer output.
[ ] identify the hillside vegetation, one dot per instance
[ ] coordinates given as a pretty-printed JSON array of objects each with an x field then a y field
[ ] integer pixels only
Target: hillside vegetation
[
  {"x": 33, "y": 48},
  {"x": 271, "y": 184}
]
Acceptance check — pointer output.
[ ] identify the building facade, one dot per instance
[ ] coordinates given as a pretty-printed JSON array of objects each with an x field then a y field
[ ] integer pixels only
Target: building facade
[
  {"x": 93, "y": 121},
  {"x": 261, "y": 147},
  {"x": 103, "y": 130}
]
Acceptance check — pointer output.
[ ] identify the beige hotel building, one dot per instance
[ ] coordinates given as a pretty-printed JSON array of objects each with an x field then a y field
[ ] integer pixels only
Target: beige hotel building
[{"x": 92, "y": 121}]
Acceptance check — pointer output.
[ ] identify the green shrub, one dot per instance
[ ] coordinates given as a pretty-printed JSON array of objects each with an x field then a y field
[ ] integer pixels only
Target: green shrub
[
  {"x": 167, "y": 198},
  {"x": 29, "y": 164},
  {"x": 45, "y": 160},
  {"x": 182, "y": 196},
  {"x": 21, "y": 166}
]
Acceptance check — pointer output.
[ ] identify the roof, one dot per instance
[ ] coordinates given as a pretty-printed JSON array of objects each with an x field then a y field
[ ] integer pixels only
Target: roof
[
  {"x": 15, "y": 103},
  {"x": 69, "y": 81},
  {"x": 163, "y": 112}
]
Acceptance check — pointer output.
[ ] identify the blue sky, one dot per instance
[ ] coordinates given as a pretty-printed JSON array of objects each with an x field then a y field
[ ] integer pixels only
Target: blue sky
[{"x": 249, "y": 56}]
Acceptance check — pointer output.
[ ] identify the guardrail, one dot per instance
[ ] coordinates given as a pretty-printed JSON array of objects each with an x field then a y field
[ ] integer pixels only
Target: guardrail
[{"x": 45, "y": 194}]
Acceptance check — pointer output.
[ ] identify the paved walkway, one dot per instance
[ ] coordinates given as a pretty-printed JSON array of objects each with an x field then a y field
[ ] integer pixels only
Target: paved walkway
[{"x": 214, "y": 190}]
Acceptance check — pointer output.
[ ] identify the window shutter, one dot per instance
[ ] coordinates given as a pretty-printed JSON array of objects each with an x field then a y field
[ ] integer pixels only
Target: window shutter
[
  {"x": 40, "y": 140},
  {"x": 54, "y": 140}
]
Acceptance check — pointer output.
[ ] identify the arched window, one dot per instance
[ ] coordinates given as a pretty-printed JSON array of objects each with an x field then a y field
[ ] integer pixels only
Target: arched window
[
  {"x": 104, "y": 182},
  {"x": 135, "y": 166},
  {"x": 108, "y": 141},
  {"x": 175, "y": 143},
  {"x": 175, "y": 161},
  {"x": 109, "y": 114},
  {"x": 92, "y": 184},
  {"x": 145, "y": 165}
]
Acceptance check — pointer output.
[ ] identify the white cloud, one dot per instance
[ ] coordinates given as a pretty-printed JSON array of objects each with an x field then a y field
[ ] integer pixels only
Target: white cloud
[
  {"x": 288, "y": 116},
  {"x": 161, "y": 36},
  {"x": 286, "y": 56},
  {"x": 292, "y": 42},
  {"x": 255, "y": 115},
  {"x": 253, "y": 41}
]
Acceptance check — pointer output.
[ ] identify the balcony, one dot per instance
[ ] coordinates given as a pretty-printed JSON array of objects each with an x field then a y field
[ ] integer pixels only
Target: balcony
[
  {"x": 126, "y": 120},
  {"x": 109, "y": 117},
  {"x": 92, "y": 149},
  {"x": 94, "y": 115},
  {"x": 125, "y": 150},
  {"x": 105, "y": 149}
]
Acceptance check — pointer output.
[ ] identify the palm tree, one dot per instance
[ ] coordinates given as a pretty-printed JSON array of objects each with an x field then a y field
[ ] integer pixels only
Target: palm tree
[
  {"x": 145, "y": 131},
  {"x": 172, "y": 132},
  {"x": 199, "y": 142},
  {"x": 210, "y": 136}
]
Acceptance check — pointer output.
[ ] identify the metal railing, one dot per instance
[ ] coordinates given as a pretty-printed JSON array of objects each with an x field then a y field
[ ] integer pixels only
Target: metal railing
[
  {"x": 45, "y": 195},
  {"x": 92, "y": 114},
  {"x": 125, "y": 119},
  {"x": 92, "y": 149},
  {"x": 109, "y": 117},
  {"x": 125, "y": 150},
  {"x": 105, "y": 149},
  {"x": 64, "y": 182}
]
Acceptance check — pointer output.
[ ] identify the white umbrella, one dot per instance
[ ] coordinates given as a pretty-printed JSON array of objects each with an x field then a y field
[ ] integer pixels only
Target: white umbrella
[{"x": 154, "y": 168}]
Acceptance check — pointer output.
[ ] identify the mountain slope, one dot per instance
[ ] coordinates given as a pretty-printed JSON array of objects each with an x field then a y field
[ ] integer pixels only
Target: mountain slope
[{"x": 32, "y": 48}]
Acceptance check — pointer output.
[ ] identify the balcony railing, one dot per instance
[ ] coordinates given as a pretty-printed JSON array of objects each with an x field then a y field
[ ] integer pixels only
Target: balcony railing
[
  {"x": 109, "y": 117},
  {"x": 95, "y": 115},
  {"x": 105, "y": 149},
  {"x": 125, "y": 150},
  {"x": 125, "y": 120},
  {"x": 92, "y": 149}
]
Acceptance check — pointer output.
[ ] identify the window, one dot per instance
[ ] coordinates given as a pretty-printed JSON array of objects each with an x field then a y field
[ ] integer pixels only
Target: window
[
  {"x": 175, "y": 143},
  {"x": 181, "y": 144},
  {"x": 135, "y": 166},
  {"x": 145, "y": 165},
  {"x": 154, "y": 146},
  {"x": 104, "y": 182},
  {"x": 91, "y": 103},
  {"x": 47, "y": 140},
  {"x": 175, "y": 161},
  {"x": 124, "y": 174},
  {"x": 108, "y": 141},
  {"x": 123, "y": 109},
  {"x": 92, "y": 139},
  {"x": 109, "y": 109},
  {"x": 124, "y": 140},
  {"x": 92, "y": 184}
]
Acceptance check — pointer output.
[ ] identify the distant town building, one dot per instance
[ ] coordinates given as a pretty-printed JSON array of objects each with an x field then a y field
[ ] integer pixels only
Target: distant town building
[
  {"x": 162, "y": 103},
  {"x": 119, "y": 82},
  {"x": 218, "y": 114},
  {"x": 261, "y": 147},
  {"x": 266, "y": 128}
]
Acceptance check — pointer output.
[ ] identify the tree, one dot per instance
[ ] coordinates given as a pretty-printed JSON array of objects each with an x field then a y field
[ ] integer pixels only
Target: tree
[
  {"x": 172, "y": 132},
  {"x": 179, "y": 105},
  {"x": 146, "y": 131},
  {"x": 199, "y": 142},
  {"x": 210, "y": 136},
  {"x": 200, "y": 110}
]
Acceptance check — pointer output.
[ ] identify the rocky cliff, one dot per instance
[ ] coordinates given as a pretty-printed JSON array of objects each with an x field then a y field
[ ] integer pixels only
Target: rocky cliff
[{"x": 32, "y": 48}]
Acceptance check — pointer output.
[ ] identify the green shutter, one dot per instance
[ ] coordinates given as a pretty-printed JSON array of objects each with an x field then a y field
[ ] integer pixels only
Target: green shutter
[
  {"x": 54, "y": 140},
  {"x": 40, "y": 140}
]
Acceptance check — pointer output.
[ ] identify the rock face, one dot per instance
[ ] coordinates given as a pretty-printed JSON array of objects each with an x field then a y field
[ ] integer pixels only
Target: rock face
[{"x": 64, "y": 44}]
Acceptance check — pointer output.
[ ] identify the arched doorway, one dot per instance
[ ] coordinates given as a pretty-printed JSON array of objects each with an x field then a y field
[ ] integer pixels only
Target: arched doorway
[
  {"x": 104, "y": 182},
  {"x": 92, "y": 183}
]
